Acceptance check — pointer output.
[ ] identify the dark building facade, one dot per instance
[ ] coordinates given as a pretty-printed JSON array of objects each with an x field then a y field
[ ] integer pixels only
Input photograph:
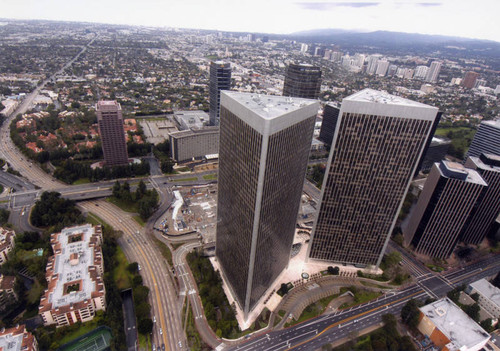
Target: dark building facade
[
  {"x": 220, "y": 79},
  {"x": 112, "y": 133},
  {"x": 377, "y": 144},
  {"x": 436, "y": 152},
  {"x": 329, "y": 124},
  {"x": 470, "y": 79},
  {"x": 486, "y": 140},
  {"x": 483, "y": 216},
  {"x": 449, "y": 195},
  {"x": 302, "y": 80},
  {"x": 263, "y": 153}
]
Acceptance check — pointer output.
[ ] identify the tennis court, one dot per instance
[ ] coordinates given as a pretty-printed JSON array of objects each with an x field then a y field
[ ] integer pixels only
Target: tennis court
[{"x": 97, "y": 340}]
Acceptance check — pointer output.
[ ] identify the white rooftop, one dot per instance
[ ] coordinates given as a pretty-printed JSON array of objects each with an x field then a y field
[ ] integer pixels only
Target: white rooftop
[
  {"x": 269, "y": 106},
  {"x": 9, "y": 342},
  {"x": 488, "y": 290},
  {"x": 72, "y": 270},
  {"x": 472, "y": 176},
  {"x": 455, "y": 324},
  {"x": 495, "y": 123},
  {"x": 382, "y": 97}
]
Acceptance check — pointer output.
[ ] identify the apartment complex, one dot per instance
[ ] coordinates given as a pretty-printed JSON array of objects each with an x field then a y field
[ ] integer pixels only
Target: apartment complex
[
  {"x": 433, "y": 72},
  {"x": 75, "y": 277},
  {"x": 220, "y": 79},
  {"x": 302, "y": 81},
  {"x": 17, "y": 338},
  {"x": 446, "y": 202},
  {"x": 112, "y": 133},
  {"x": 377, "y": 145},
  {"x": 482, "y": 219},
  {"x": 264, "y": 148},
  {"x": 7, "y": 241}
]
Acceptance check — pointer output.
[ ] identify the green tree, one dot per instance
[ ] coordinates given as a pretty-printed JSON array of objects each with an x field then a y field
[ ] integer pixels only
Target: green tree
[
  {"x": 410, "y": 313},
  {"x": 145, "y": 326},
  {"x": 116, "y": 189}
]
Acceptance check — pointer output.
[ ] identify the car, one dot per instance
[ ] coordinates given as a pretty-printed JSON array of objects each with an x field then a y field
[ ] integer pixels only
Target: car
[
  {"x": 154, "y": 319},
  {"x": 163, "y": 347},
  {"x": 154, "y": 347},
  {"x": 139, "y": 267},
  {"x": 161, "y": 331}
]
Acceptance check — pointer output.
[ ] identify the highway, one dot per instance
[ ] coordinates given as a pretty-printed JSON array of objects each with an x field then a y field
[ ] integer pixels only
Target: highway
[{"x": 334, "y": 327}]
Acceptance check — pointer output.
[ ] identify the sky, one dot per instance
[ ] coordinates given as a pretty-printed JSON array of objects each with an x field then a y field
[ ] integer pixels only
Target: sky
[{"x": 464, "y": 18}]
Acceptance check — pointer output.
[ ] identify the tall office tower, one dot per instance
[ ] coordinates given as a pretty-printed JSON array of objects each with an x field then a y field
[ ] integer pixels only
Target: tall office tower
[
  {"x": 302, "y": 80},
  {"x": 433, "y": 73},
  {"x": 382, "y": 68},
  {"x": 449, "y": 195},
  {"x": 487, "y": 209},
  {"x": 110, "y": 122},
  {"x": 372, "y": 63},
  {"x": 377, "y": 144},
  {"x": 330, "y": 117},
  {"x": 264, "y": 148},
  {"x": 436, "y": 152},
  {"x": 421, "y": 72},
  {"x": 220, "y": 79},
  {"x": 486, "y": 140},
  {"x": 470, "y": 78}
]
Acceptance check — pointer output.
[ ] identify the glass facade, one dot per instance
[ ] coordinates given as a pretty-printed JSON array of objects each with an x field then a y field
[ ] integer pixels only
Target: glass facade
[
  {"x": 260, "y": 184},
  {"x": 373, "y": 160},
  {"x": 329, "y": 124},
  {"x": 302, "y": 81},
  {"x": 220, "y": 79}
]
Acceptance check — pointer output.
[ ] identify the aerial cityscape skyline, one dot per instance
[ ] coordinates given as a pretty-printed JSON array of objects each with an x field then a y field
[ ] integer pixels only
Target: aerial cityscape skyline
[
  {"x": 168, "y": 189},
  {"x": 443, "y": 17}
]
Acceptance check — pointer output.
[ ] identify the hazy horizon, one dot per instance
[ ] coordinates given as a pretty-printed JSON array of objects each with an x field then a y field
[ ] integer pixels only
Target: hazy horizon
[{"x": 459, "y": 18}]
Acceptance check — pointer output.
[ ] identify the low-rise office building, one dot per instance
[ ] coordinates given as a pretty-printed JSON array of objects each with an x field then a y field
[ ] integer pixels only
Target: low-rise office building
[
  {"x": 17, "y": 338},
  {"x": 450, "y": 328},
  {"x": 194, "y": 143},
  {"x": 75, "y": 277},
  {"x": 489, "y": 296},
  {"x": 7, "y": 239}
]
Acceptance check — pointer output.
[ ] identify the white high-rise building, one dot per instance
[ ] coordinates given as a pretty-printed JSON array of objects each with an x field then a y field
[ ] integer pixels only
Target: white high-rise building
[
  {"x": 421, "y": 72},
  {"x": 433, "y": 73},
  {"x": 372, "y": 63},
  {"x": 382, "y": 67}
]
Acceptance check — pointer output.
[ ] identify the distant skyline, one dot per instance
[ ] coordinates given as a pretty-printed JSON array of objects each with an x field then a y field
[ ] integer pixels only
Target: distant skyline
[{"x": 463, "y": 18}]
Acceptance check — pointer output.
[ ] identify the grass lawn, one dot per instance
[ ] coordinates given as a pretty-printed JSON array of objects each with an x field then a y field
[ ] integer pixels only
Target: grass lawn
[
  {"x": 139, "y": 220},
  {"x": 127, "y": 206},
  {"x": 94, "y": 219},
  {"x": 444, "y": 131},
  {"x": 84, "y": 328},
  {"x": 192, "y": 179},
  {"x": 81, "y": 181},
  {"x": 361, "y": 296},
  {"x": 121, "y": 275},
  {"x": 313, "y": 310},
  {"x": 144, "y": 342},
  {"x": 165, "y": 251},
  {"x": 210, "y": 177}
]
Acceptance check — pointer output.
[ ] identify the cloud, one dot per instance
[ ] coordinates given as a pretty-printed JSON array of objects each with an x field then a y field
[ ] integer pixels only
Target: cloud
[
  {"x": 428, "y": 4},
  {"x": 322, "y": 6}
]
